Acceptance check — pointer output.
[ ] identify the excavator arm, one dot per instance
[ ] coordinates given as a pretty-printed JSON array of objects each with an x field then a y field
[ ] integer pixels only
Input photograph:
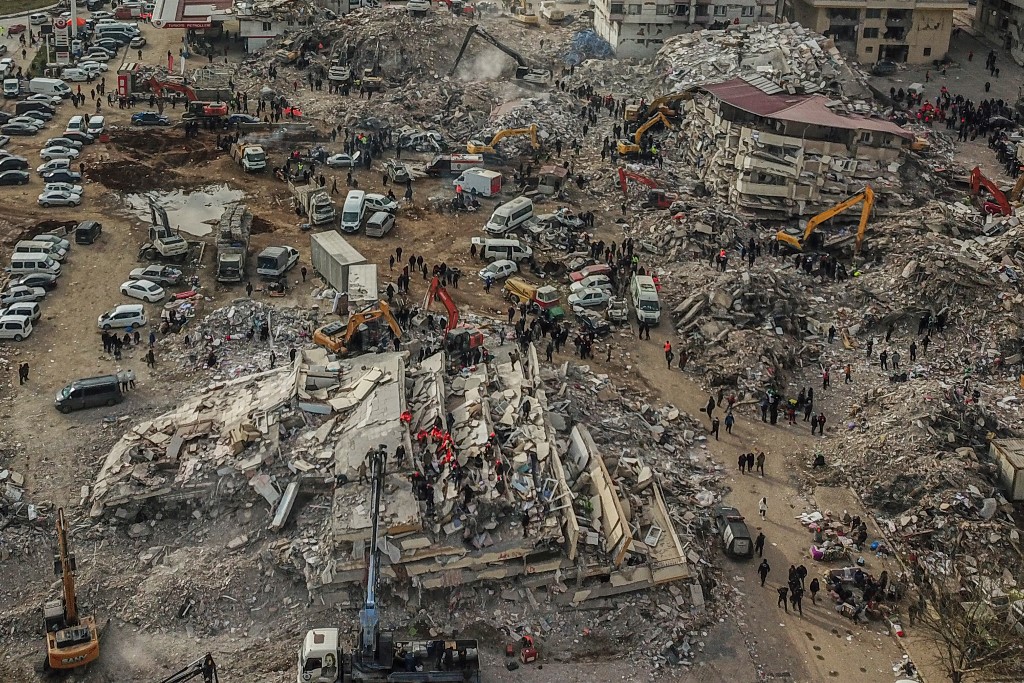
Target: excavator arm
[
  {"x": 647, "y": 126},
  {"x": 204, "y": 666},
  {"x": 158, "y": 87},
  {"x": 437, "y": 291},
  {"x": 67, "y": 571},
  {"x": 661, "y": 105},
  {"x": 625, "y": 176},
  {"x": 523, "y": 69},
  {"x": 867, "y": 196},
  {"x": 978, "y": 181},
  {"x": 511, "y": 132},
  {"x": 369, "y": 619}
]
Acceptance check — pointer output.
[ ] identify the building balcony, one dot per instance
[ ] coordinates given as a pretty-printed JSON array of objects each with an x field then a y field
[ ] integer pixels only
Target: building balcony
[
  {"x": 838, "y": 21},
  {"x": 745, "y": 186}
]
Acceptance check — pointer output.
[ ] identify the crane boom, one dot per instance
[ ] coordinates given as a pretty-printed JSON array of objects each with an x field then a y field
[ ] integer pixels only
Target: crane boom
[
  {"x": 369, "y": 619},
  {"x": 523, "y": 69}
]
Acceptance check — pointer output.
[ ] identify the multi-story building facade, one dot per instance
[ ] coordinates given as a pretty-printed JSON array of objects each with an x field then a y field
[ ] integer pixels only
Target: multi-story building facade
[
  {"x": 638, "y": 28},
  {"x": 1002, "y": 21},
  {"x": 909, "y": 31}
]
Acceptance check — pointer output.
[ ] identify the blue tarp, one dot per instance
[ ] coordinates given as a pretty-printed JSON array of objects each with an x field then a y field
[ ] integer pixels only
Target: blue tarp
[{"x": 587, "y": 45}]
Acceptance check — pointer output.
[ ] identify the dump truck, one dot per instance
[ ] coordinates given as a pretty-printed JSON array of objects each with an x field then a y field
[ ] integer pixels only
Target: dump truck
[
  {"x": 233, "y": 243},
  {"x": 332, "y": 256},
  {"x": 315, "y": 203},
  {"x": 273, "y": 262},
  {"x": 454, "y": 164},
  {"x": 250, "y": 157}
]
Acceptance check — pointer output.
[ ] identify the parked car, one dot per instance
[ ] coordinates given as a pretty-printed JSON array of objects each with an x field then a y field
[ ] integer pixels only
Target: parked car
[
  {"x": 38, "y": 18},
  {"x": 594, "y": 322},
  {"x": 29, "y": 309},
  {"x": 56, "y": 198},
  {"x": 733, "y": 533},
  {"x": 63, "y": 142},
  {"x": 596, "y": 269},
  {"x": 16, "y": 327},
  {"x": 92, "y": 65},
  {"x": 162, "y": 275},
  {"x": 58, "y": 152},
  {"x": 150, "y": 118},
  {"x": 45, "y": 280},
  {"x": 14, "y": 177},
  {"x": 98, "y": 54},
  {"x": 88, "y": 232},
  {"x": 13, "y": 163},
  {"x": 53, "y": 165},
  {"x": 498, "y": 270},
  {"x": 13, "y": 295},
  {"x": 884, "y": 68},
  {"x": 28, "y": 121},
  {"x": 137, "y": 42},
  {"x": 52, "y": 100},
  {"x": 396, "y": 170},
  {"x": 15, "y": 29},
  {"x": 125, "y": 315},
  {"x": 589, "y": 297},
  {"x": 5, "y": 117},
  {"x": 380, "y": 202},
  {"x": 42, "y": 116},
  {"x": 600, "y": 281},
  {"x": 79, "y": 136},
  {"x": 143, "y": 289},
  {"x": 343, "y": 160},
  {"x": 64, "y": 187},
  {"x": 242, "y": 118},
  {"x": 101, "y": 14},
  {"x": 18, "y": 129},
  {"x": 4, "y": 139},
  {"x": 56, "y": 240}
]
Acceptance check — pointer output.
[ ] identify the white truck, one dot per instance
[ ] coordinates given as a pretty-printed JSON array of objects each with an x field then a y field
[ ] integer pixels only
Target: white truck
[
  {"x": 315, "y": 203},
  {"x": 274, "y": 262},
  {"x": 252, "y": 158},
  {"x": 332, "y": 256},
  {"x": 233, "y": 243},
  {"x": 479, "y": 181}
]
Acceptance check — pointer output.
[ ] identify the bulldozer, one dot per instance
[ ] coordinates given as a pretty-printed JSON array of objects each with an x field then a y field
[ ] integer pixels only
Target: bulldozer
[
  {"x": 338, "y": 337},
  {"x": 797, "y": 240},
  {"x": 478, "y": 147}
]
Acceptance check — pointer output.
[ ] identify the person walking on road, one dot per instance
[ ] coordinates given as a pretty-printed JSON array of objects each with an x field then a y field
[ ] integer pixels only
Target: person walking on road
[
  {"x": 815, "y": 587},
  {"x": 760, "y": 463},
  {"x": 759, "y": 546},
  {"x": 714, "y": 428},
  {"x": 783, "y": 590},
  {"x": 797, "y": 598},
  {"x": 23, "y": 373},
  {"x": 762, "y": 508},
  {"x": 848, "y": 371},
  {"x": 742, "y": 462},
  {"x": 750, "y": 463},
  {"x": 711, "y": 406},
  {"x": 730, "y": 420},
  {"x": 762, "y": 570}
]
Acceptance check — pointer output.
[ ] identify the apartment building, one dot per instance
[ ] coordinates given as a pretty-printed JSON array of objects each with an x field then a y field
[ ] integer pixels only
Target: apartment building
[
  {"x": 262, "y": 21},
  {"x": 912, "y": 31},
  {"x": 1002, "y": 22},
  {"x": 638, "y": 29},
  {"x": 759, "y": 147}
]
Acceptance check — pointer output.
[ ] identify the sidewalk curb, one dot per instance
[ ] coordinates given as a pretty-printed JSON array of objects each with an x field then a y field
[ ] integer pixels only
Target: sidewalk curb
[{"x": 31, "y": 11}]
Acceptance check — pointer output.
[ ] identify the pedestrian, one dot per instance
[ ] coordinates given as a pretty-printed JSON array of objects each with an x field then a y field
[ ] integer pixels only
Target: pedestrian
[
  {"x": 831, "y": 333},
  {"x": 824, "y": 379},
  {"x": 669, "y": 356},
  {"x": 750, "y": 463},
  {"x": 848, "y": 370},
  {"x": 763, "y": 569},
  {"x": 913, "y": 351},
  {"x": 821, "y": 424},
  {"x": 759, "y": 544},
  {"x": 150, "y": 359},
  {"x": 884, "y": 358},
  {"x": 668, "y": 350},
  {"x": 760, "y": 463},
  {"x": 714, "y": 428},
  {"x": 273, "y": 359},
  {"x": 924, "y": 344},
  {"x": 152, "y": 338},
  {"x": 895, "y": 360},
  {"x": 23, "y": 373},
  {"x": 815, "y": 587},
  {"x": 248, "y": 289},
  {"x": 762, "y": 508},
  {"x": 764, "y": 408},
  {"x": 742, "y": 462},
  {"x": 683, "y": 358},
  {"x": 798, "y": 596},
  {"x": 711, "y": 406},
  {"x": 871, "y": 345},
  {"x": 303, "y": 272},
  {"x": 730, "y": 420},
  {"x": 292, "y": 353},
  {"x": 783, "y": 590}
]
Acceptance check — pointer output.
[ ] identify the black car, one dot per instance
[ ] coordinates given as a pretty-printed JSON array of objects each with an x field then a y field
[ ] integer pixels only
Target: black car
[
  {"x": 14, "y": 177},
  {"x": 63, "y": 175},
  {"x": 150, "y": 118},
  {"x": 5, "y": 116},
  {"x": 39, "y": 115},
  {"x": 13, "y": 164},
  {"x": 242, "y": 118},
  {"x": 593, "y": 322},
  {"x": 45, "y": 280},
  {"x": 733, "y": 533},
  {"x": 78, "y": 136},
  {"x": 884, "y": 68},
  {"x": 18, "y": 129}
]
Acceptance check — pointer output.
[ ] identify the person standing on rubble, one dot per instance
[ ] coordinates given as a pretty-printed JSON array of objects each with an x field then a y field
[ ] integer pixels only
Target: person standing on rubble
[
  {"x": 760, "y": 463},
  {"x": 824, "y": 378},
  {"x": 895, "y": 360},
  {"x": 884, "y": 358},
  {"x": 913, "y": 351},
  {"x": 871, "y": 345},
  {"x": 764, "y": 408},
  {"x": 730, "y": 420},
  {"x": 924, "y": 344}
]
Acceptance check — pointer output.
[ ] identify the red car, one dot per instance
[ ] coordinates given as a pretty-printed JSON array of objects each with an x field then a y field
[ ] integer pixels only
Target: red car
[
  {"x": 596, "y": 269},
  {"x": 15, "y": 29}
]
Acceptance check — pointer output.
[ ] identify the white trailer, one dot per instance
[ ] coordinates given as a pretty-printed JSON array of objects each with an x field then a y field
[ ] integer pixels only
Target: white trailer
[{"x": 332, "y": 256}]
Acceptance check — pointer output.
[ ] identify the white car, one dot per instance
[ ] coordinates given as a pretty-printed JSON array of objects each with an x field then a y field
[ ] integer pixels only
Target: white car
[
  {"x": 343, "y": 160},
  {"x": 380, "y": 202},
  {"x": 7, "y": 64},
  {"x": 58, "y": 198},
  {"x": 98, "y": 54},
  {"x": 53, "y": 100},
  {"x": 143, "y": 289},
  {"x": 101, "y": 14},
  {"x": 59, "y": 242},
  {"x": 29, "y": 309},
  {"x": 22, "y": 293},
  {"x": 589, "y": 297},
  {"x": 93, "y": 65},
  {"x": 59, "y": 164},
  {"x": 63, "y": 187},
  {"x": 125, "y": 315},
  {"x": 599, "y": 281},
  {"x": 498, "y": 270},
  {"x": 59, "y": 152},
  {"x": 28, "y": 121},
  {"x": 16, "y": 327},
  {"x": 38, "y": 19}
]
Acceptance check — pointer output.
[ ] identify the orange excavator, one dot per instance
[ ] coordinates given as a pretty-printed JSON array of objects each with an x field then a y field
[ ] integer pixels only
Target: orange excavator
[
  {"x": 71, "y": 640},
  {"x": 196, "y": 107},
  {"x": 458, "y": 340},
  {"x": 998, "y": 205},
  {"x": 657, "y": 198},
  {"x": 337, "y": 336}
]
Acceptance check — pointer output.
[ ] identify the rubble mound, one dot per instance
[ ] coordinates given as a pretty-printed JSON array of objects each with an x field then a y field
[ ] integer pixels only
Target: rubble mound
[{"x": 150, "y": 158}]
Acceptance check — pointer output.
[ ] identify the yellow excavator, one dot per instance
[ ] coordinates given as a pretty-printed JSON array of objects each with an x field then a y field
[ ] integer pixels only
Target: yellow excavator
[
  {"x": 72, "y": 640},
  {"x": 662, "y": 105},
  {"x": 627, "y": 148},
  {"x": 479, "y": 147},
  {"x": 337, "y": 336},
  {"x": 523, "y": 12},
  {"x": 796, "y": 239}
]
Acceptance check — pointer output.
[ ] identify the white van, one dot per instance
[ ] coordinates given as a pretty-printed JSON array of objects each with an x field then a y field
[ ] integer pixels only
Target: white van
[
  {"x": 352, "y": 212},
  {"x": 50, "y": 249},
  {"x": 75, "y": 75},
  {"x": 29, "y": 309},
  {"x": 49, "y": 86},
  {"x": 12, "y": 87},
  {"x": 510, "y": 216},
  {"x": 76, "y": 123},
  {"x": 38, "y": 19},
  {"x": 116, "y": 27},
  {"x": 643, "y": 294},
  {"x": 16, "y": 327},
  {"x": 95, "y": 127},
  {"x": 23, "y": 264},
  {"x": 498, "y": 249}
]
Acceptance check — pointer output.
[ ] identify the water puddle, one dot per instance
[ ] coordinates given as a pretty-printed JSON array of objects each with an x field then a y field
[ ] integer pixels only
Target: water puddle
[{"x": 195, "y": 212}]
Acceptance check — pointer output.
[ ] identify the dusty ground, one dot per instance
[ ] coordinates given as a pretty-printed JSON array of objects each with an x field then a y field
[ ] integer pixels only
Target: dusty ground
[{"x": 248, "y": 614}]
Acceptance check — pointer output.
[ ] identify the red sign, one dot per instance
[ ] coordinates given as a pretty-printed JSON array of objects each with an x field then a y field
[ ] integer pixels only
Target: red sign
[
  {"x": 122, "y": 85},
  {"x": 60, "y": 24}
]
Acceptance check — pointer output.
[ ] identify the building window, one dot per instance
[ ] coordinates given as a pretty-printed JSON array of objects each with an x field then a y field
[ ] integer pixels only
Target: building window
[
  {"x": 291, "y": 22},
  {"x": 663, "y": 9},
  {"x": 927, "y": 52},
  {"x": 871, "y": 33},
  {"x": 873, "y": 14},
  {"x": 746, "y": 11},
  {"x": 266, "y": 26},
  {"x": 702, "y": 10},
  {"x": 869, "y": 49},
  {"x": 720, "y": 10},
  {"x": 634, "y": 9},
  {"x": 616, "y": 8}
]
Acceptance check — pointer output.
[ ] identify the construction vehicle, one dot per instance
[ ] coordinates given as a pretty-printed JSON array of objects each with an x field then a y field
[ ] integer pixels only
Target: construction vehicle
[
  {"x": 436, "y": 291},
  {"x": 72, "y": 640},
  {"x": 1018, "y": 188},
  {"x": 204, "y": 666},
  {"x": 340, "y": 71},
  {"x": 288, "y": 53},
  {"x": 524, "y": 72},
  {"x": 233, "y": 243},
  {"x": 628, "y": 148},
  {"x": 797, "y": 240},
  {"x": 478, "y": 147},
  {"x": 337, "y": 336},
  {"x": 999, "y": 205},
  {"x": 163, "y": 242},
  {"x": 315, "y": 202},
  {"x": 657, "y": 198},
  {"x": 460, "y": 8},
  {"x": 373, "y": 79},
  {"x": 252, "y": 158},
  {"x": 522, "y": 11},
  {"x": 542, "y": 299},
  {"x": 161, "y": 87},
  {"x": 378, "y": 655},
  {"x": 453, "y": 164},
  {"x": 633, "y": 112},
  {"x": 549, "y": 10}
]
